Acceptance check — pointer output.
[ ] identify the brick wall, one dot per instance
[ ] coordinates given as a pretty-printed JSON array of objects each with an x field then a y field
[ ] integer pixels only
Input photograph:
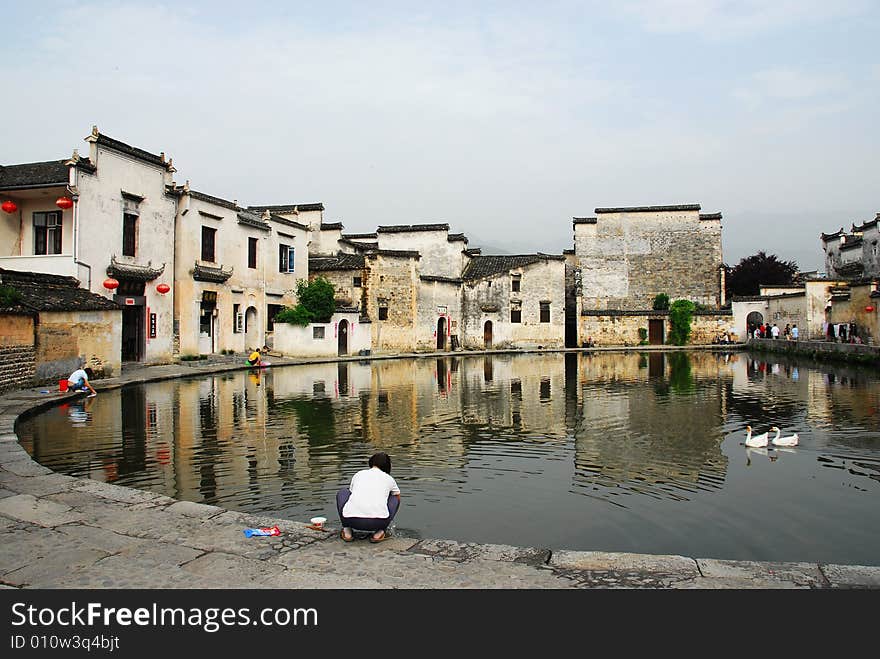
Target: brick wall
[{"x": 17, "y": 367}]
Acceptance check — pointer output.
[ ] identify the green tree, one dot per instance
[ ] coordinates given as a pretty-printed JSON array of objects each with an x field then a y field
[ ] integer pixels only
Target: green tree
[
  {"x": 661, "y": 302},
  {"x": 681, "y": 313},
  {"x": 316, "y": 303},
  {"x": 751, "y": 272},
  {"x": 9, "y": 297}
]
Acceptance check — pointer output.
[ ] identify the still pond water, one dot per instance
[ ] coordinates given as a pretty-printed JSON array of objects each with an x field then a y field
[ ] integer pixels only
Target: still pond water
[{"x": 609, "y": 452}]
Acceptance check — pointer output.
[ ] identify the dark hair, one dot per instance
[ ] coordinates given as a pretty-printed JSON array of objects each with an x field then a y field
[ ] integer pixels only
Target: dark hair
[
  {"x": 382, "y": 461},
  {"x": 88, "y": 372}
]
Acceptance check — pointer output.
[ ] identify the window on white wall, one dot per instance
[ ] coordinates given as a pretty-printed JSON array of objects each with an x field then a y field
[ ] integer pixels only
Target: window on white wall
[
  {"x": 47, "y": 233},
  {"x": 285, "y": 258},
  {"x": 317, "y": 332}
]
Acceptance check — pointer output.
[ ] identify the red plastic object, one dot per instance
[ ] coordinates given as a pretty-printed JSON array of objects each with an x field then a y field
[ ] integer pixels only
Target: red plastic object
[{"x": 62, "y": 385}]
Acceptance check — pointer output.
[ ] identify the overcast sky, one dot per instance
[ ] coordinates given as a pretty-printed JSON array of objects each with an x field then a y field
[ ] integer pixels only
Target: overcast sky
[{"x": 502, "y": 119}]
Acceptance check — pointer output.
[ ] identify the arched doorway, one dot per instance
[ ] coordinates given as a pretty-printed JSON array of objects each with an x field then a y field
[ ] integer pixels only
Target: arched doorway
[
  {"x": 752, "y": 321},
  {"x": 487, "y": 334},
  {"x": 252, "y": 334},
  {"x": 342, "y": 335},
  {"x": 441, "y": 333}
]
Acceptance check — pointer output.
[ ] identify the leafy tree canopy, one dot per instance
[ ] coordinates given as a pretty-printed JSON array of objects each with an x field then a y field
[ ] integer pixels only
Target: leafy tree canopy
[
  {"x": 316, "y": 303},
  {"x": 746, "y": 277}
]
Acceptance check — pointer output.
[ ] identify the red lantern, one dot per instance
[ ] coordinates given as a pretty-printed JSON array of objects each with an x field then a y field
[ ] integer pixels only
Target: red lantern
[
  {"x": 163, "y": 288},
  {"x": 110, "y": 283},
  {"x": 9, "y": 206},
  {"x": 869, "y": 308},
  {"x": 64, "y": 203}
]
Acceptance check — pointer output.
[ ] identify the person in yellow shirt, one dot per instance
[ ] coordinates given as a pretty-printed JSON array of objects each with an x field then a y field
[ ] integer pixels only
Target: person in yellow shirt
[{"x": 254, "y": 359}]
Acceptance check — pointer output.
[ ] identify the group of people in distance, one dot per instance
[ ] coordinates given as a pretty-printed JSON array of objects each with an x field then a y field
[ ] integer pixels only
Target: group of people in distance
[{"x": 767, "y": 331}]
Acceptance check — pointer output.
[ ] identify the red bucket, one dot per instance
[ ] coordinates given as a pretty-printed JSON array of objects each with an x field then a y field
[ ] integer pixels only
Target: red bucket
[{"x": 62, "y": 385}]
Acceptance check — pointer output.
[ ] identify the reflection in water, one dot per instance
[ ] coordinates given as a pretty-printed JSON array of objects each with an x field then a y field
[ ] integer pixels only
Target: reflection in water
[{"x": 612, "y": 452}]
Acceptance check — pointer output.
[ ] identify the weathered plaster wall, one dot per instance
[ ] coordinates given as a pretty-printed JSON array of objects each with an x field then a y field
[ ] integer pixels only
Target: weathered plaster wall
[
  {"x": 294, "y": 340},
  {"x": 855, "y": 311},
  {"x": 626, "y": 259},
  {"x": 100, "y": 211},
  {"x": 440, "y": 257},
  {"x": 437, "y": 300},
  {"x": 16, "y": 330},
  {"x": 67, "y": 340},
  {"x": 344, "y": 289},
  {"x": 491, "y": 299}
]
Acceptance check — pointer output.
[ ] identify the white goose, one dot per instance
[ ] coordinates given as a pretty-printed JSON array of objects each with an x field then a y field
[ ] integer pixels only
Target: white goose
[
  {"x": 757, "y": 441},
  {"x": 790, "y": 440}
]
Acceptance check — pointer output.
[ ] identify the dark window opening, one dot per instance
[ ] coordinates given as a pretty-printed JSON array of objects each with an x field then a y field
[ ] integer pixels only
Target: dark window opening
[
  {"x": 545, "y": 312},
  {"x": 129, "y": 234},
  {"x": 208, "y": 239},
  {"x": 516, "y": 315},
  {"x": 47, "y": 233},
  {"x": 272, "y": 311},
  {"x": 383, "y": 313},
  {"x": 514, "y": 283},
  {"x": 252, "y": 252},
  {"x": 356, "y": 282}
]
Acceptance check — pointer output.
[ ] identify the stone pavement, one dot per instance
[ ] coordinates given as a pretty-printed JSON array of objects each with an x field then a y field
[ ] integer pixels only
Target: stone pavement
[{"x": 58, "y": 531}]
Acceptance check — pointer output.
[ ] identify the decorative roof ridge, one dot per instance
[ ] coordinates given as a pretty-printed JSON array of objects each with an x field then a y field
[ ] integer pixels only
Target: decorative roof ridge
[
  {"x": 288, "y": 208},
  {"x": 649, "y": 209},
  {"x": 395, "y": 252},
  {"x": 121, "y": 147},
  {"x": 134, "y": 271},
  {"x": 331, "y": 226},
  {"x": 408, "y": 228},
  {"x": 209, "y": 273}
]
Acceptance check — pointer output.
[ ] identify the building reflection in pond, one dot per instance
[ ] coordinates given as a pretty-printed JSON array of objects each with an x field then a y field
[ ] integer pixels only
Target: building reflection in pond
[{"x": 500, "y": 433}]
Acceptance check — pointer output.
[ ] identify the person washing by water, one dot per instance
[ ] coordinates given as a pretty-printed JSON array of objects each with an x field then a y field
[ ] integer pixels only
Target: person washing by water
[
  {"x": 255, "y": 359},
  {"x": 370, "y": 502},
  {"x": 79, "y": 381}
]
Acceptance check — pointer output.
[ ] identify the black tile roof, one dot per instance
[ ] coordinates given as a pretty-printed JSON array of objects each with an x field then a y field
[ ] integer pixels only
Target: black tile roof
[
  {"x": 133, "y": 151},
  {"x": 457, "y": 238},
  {"x": 252, "y": 220},
  {"x": 404, "y": 253},
  {"x": 710, "y": 216},
  {"x": 584, "y": 220},
  {"x": 288, "y": 208},
  {"x": 286, "y": 222},
  {"x": 866, "y": 225},
  {"x": 488, "y": 266},
  {"x": 407, "y": 228},
  {"x": 33, "y": 175},
  {"x": 42, "y": 292},
  {"x": 851, "y": 242},
  {"x": 443, "y": 280},
  {"x": 331, "y": 226},
  {"x": 341, "y": 261},
  {"x": 649, "y": 209},
  {"x": 361, "y": 247},
  {"x": 356, "y": 236},
  {"x": 211, "y": 199},
  {"x": 828, "y": 236}
]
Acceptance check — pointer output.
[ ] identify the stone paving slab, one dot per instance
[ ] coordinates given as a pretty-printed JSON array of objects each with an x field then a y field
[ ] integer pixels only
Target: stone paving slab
[
  {"x": 39, "y": 511},
  {"x": 37, "y": 486},
  {"x": 799, "y": 574},
  {"x": 53, "y": 567},
  {"x": 852, "y": 576},
  {"x": 470, "y": 551}
]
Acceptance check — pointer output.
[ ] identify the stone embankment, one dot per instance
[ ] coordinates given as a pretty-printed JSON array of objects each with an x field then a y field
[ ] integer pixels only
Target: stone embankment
[{"x": 57, "y": 531}]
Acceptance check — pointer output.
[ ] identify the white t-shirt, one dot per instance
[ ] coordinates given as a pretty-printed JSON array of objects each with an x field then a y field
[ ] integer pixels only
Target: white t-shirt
[
  {"x": 77, "y": 376},
  {"x": 794, "y": 332},
  {"x": 369, "y": 494}
]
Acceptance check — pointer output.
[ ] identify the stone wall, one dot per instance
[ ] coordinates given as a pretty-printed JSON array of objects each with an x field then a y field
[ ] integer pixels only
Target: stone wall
[
  {"x": 855, "y": 310},
  {"x": 391, "y": 283},
  {"x": 322, "y": 339},
  {"x": 17, "y": 367},
  {"x": 622, "y": 328},
  {"x": 438, "y": 303},
  {"x": 627, "y": 258}
]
